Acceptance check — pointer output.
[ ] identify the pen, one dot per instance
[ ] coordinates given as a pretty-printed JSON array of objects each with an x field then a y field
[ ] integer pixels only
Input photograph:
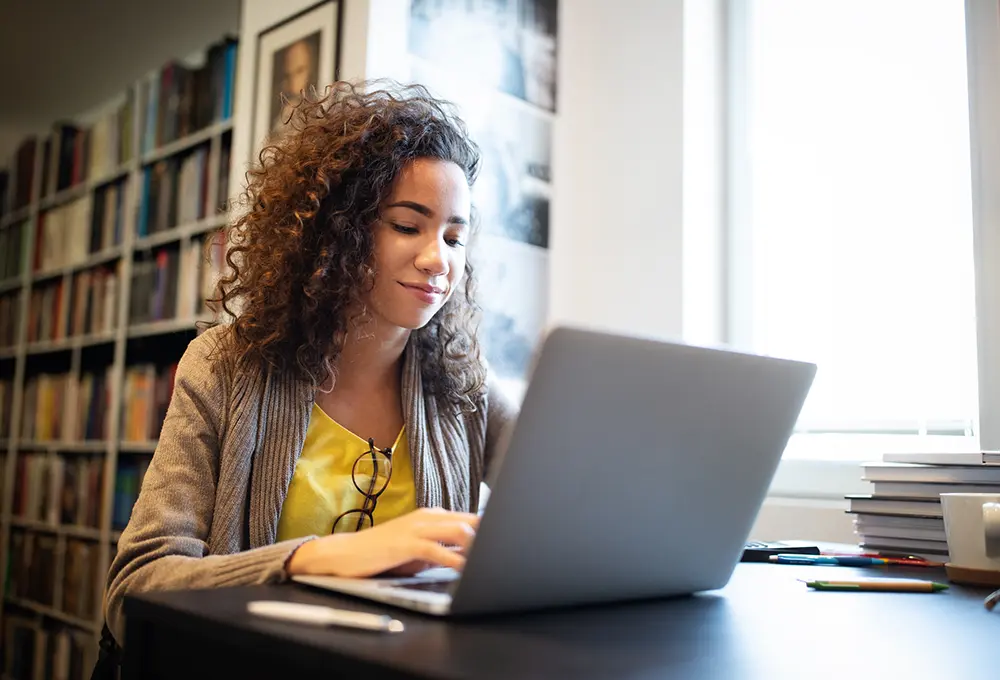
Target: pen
[
  {"x": 885, "y": 585},
  {"x": 839, "y": 560},
  {"x": 317, "y": 615},
  {"x": 894, "y": 558}
]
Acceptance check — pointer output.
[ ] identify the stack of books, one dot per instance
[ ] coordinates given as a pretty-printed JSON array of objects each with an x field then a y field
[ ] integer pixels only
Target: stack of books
[{"x": 903, "y": 513}]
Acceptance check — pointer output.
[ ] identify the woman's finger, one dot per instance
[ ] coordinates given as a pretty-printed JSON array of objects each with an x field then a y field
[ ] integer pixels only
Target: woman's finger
[
  {"x": 456, "y": 533},
  {"x": 434, "y": 552}
]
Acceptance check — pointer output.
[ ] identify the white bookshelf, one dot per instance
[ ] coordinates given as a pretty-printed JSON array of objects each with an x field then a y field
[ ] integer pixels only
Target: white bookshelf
[{"x": 109, "y": 349}]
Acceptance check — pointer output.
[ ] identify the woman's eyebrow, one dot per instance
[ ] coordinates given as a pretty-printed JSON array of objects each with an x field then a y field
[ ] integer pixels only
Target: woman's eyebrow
[{"x": 426, "y": 211}]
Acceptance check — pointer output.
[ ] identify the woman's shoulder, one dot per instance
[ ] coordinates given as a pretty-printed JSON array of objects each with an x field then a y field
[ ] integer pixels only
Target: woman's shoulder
[{"x": 209, "y": 351}]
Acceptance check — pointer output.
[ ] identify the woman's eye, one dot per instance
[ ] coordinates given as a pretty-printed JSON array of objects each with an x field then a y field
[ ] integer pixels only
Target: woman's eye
[
  {"x": 454, "y": 242},
  {"x": 403, "y": 229}
]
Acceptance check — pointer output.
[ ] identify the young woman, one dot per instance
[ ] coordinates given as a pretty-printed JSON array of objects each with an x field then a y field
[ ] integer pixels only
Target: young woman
[{"x": 343, "y": 421}]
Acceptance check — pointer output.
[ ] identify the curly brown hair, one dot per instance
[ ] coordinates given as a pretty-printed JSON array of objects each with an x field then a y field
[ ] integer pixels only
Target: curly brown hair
[{"x": 301, "y": 253}]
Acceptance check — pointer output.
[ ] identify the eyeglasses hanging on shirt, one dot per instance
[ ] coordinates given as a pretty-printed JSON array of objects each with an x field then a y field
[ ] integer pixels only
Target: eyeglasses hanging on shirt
[{"x": 371, "y": 473}]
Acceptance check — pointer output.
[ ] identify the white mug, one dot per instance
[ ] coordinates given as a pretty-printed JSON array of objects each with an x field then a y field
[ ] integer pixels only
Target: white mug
[{"x": 972, "y": 527}]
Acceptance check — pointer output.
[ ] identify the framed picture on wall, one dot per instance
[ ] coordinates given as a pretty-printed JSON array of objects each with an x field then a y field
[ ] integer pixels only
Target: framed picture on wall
[{"x": 293, "y": 57}]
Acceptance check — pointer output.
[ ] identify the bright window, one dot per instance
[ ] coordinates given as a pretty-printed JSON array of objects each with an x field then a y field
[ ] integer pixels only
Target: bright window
[{"x": 851, "y": 214}]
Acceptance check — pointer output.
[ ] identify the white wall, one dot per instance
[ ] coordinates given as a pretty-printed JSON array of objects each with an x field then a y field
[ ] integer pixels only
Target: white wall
[{"x": 617, "y": 211}]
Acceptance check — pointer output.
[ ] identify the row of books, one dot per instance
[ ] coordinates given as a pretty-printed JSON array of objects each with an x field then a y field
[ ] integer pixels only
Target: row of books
[
  {"x": 181, "y": 99},
  {"x": 107, "y": 221},
  {"x": 147, "y": 393},
  {"x": 32, "y": 566},
  {"x": 59, "y": 408},
  {"x": 58, "y": 489},
  {"x": 174, "y": 281},
  {"x": 95, "y": 300},
  {"x": 54, "y": 651},
  {"x": 14, "y": 241},
  {"x": 178, "y": 100},
  {"x": 903, "y": 513},
  {"x": 175, "y": 190},
  {"x": 47, "y": 311},
  {"x": 68, "y": 234},
  {"x": 73, "y": 153}
]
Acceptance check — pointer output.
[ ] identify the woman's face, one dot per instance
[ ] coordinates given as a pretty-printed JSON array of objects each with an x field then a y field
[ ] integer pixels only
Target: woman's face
[{"x": 420, "y": 243}]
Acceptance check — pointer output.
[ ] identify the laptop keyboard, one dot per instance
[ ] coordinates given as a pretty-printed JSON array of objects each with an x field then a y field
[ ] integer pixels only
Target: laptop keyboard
[{"x": 429, "y": 586}]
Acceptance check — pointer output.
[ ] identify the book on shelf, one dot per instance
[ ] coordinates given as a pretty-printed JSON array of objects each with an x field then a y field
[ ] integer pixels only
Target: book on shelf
[
  {"x": 6, "y": 408},
  {"x": 10, "y": 304},
  {"x": 15, "y": 240},
  {"x": 88, "y": 305},
  {"x": 46, "y": 416},
  {"x": 147, "y": 393},
  {"x": 173, "y": 281},
  {"x": 24, "y": 172},
  {"x": 56, "y": 650},
  {"x": 95, "y": 300},
  {"x": 68, "y": 234},
  {"x": 73, "y": 153},
  {"x": 32, "y": 567},
  {"x": 175, "y": 191},
  {"x": 47, "y": 311},
  {"x": 128, "y": 481},
  {"x": 180, "y": 99},
  {"x": 63, "y": 234},
  {"x": 107, "y": 220},
  {"x": 58, "y": 490}
]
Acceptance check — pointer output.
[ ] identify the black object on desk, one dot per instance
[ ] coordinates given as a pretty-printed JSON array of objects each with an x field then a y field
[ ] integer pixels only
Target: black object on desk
[
  {"x": 761, "y": 551},
  {"x": 764, "y": 625}
]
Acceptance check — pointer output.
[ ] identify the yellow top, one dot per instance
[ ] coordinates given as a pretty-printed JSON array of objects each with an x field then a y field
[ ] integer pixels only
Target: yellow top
[{"x": 321, "y": 487}]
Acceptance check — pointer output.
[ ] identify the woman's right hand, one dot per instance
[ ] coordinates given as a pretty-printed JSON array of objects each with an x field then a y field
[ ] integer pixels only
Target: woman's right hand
[{"x": 419, "y": 538}]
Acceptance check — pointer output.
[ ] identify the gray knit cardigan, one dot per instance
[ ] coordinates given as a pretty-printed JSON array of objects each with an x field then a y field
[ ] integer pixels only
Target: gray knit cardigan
[{"x": 207, "y": 513}]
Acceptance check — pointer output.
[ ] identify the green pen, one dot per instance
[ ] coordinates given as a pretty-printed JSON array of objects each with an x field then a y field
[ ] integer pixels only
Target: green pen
[{"x": 884, "y": 585}]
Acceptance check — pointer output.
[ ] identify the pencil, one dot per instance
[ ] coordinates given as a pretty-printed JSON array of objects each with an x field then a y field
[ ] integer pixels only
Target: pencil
[{"x": 886, "y": 585}]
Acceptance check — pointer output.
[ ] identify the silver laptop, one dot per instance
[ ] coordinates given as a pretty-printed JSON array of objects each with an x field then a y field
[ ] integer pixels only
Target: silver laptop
[{"x": 635, "y": 470}]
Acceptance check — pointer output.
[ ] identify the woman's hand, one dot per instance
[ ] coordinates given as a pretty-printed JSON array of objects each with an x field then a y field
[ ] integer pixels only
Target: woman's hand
[{"x": 406, "y": 544}]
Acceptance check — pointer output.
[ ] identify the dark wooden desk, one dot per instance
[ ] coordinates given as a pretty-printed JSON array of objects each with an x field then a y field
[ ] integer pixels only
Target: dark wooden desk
[{"x": 764, "y": 624}]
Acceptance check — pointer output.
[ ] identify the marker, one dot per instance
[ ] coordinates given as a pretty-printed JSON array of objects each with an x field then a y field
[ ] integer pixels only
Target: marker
[
  {"x": 837, "y": 560},
  {"x": 318, "y": 615},
  {"x": 885, "y": 585}
]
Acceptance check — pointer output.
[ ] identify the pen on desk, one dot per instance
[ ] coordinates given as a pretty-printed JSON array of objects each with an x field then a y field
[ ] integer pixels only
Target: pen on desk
[
  {"x": 837, "y": 560},
  {"x": 886, "y": 585},
  {"x": 317, "y": 615},
  {"x": 894, "y": 558}
]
